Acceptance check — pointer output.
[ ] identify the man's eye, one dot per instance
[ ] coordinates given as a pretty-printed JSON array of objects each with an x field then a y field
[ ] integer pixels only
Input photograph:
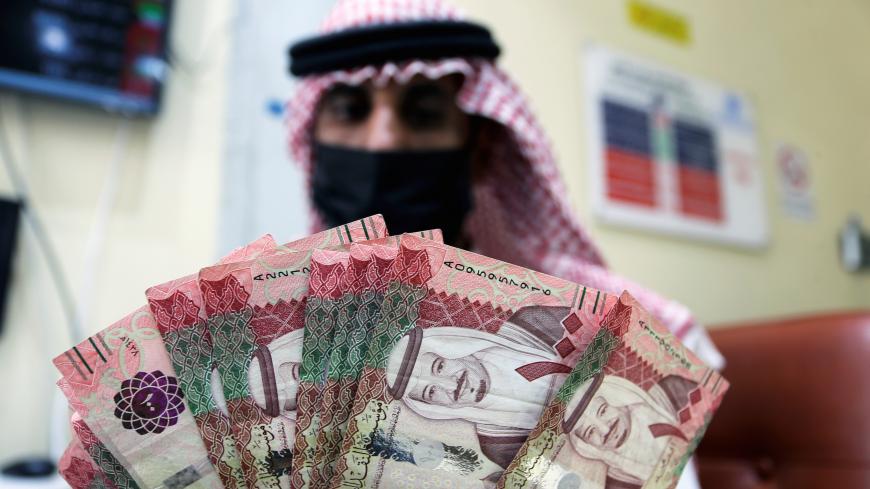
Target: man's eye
[
  {"x": 587, "y": 433},
  {"x": 602, "y": 409},
  {"x": 349, "y": 110},
  {"x": 439, "y": 366},
  {"x": 347, "y": 104},
  {"x": 424, "y": 118},
  {"x": 426, "y": 106},
  {"x": 430, "y": 393}
]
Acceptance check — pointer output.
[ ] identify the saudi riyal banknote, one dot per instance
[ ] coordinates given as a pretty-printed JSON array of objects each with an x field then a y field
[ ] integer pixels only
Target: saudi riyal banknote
[
  {"x": 255, "y": 315},
  {"x": 336, "y": 279},
  {"x": 123, "y": 383},
  {"x": 125, "y": 386},
  {"x": 79, "y": 470},
  {"x": 328, "y": 300},
  {"x": 369, "y": 273},
  {"x": 630, "y": 414},
  {"x": 467, "y": 353},
  {"x": 101, "y": 455},
  {"x": 179, "y": 310}
]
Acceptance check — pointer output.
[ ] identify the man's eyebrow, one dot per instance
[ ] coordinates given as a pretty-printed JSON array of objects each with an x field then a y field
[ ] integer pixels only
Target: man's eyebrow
[{"x": 343, "y": 89}]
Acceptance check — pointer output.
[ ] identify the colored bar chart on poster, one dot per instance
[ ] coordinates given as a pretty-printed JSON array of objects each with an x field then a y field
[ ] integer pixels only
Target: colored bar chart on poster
[
  {"x": 630, "y": 164},
  {"x": 698, "y": 174},
  {"x": 671, "y": 153}
]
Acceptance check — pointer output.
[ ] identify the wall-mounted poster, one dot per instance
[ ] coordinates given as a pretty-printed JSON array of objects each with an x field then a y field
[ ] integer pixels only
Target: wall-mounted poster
[{"x": 672, "y": 153}]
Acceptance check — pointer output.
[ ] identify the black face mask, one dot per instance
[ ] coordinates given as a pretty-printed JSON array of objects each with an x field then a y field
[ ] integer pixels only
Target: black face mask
[{"x": 414, "y": 190}]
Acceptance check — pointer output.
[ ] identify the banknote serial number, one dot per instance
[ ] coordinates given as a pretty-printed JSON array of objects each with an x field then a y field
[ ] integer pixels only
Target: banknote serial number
[
  {"x": 667, "y": 346},
  {"x": 282, "y": 273},
  {"x": 496, "y": 277}
]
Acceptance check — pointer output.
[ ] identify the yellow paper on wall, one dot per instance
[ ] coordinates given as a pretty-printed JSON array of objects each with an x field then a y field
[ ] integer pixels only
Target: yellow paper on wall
[{"x": 660, "y": 21}]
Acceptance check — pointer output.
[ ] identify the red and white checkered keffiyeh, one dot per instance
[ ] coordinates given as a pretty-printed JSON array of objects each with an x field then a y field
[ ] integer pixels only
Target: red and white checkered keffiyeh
[{"x": 521, "y": 214}]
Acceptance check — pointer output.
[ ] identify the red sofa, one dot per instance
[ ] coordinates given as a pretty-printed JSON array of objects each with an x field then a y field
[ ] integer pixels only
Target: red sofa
[{"x": 798, "y": 411}]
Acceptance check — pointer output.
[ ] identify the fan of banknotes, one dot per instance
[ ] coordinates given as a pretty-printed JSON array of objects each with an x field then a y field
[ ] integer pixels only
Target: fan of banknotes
[{"x": 353, "y": 359}]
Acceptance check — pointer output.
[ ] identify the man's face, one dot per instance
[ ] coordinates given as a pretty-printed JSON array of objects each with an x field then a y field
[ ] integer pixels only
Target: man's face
[
  {"x": 602, "y": 424},
  {"x": 288, "y": 380},
  {"x": 419, "y": 115},
  {"x": 459, "y": 382}
]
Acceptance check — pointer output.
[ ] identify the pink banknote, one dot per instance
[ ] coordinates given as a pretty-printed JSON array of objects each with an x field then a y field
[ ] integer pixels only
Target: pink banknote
[
  {"x": 124, "y": 382},
  {"x": 255, "y": 313},
  {"x": 629, "y": 415},
  {"x": 182, "y": 313},
  {"x": 101, "y": 454},
  {"x": 79, "y": 470},
  {"x": 368, "y": 274},
  {"x": 178, "y": 307},
  {"x": 467, "y": 353},
  {"x": 327, "y": 300}
]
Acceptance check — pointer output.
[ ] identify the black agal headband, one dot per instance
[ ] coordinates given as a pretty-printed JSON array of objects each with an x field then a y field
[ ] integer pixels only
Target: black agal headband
[{"x": 378, "y": 44}]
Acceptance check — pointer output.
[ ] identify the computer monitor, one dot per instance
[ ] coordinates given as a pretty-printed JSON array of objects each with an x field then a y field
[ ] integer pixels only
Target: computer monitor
[{"x": 111, "y": 53}]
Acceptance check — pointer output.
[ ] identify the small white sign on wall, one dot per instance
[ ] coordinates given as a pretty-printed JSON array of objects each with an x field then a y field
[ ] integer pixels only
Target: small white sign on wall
[
  {"x": 795, "y": 182},
  {"x": 672, "y": 153}
]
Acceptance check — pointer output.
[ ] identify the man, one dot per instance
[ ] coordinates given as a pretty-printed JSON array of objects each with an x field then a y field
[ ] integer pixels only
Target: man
[
  {"x": 273, "y": 375},
  {"x": 461, "y": 373},
  {"x": 612, "y": 420},
  {"x": 401, "y": 110}
]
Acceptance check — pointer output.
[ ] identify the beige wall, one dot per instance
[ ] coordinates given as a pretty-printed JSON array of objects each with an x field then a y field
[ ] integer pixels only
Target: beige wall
[
  {"x": 163, "y": 224},
  {"x": 804, "y": 66}
]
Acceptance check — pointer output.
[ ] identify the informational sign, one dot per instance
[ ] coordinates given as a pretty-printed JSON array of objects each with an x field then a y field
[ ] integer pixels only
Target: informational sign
[
  {"x": 672, "y": 153},
  {"x": 795, "y": 184}
]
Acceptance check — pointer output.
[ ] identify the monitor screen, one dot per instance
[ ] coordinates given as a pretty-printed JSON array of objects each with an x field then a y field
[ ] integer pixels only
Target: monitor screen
[
  {"x": 9, "y": 213},
  {"x": 111, "y": 53}
]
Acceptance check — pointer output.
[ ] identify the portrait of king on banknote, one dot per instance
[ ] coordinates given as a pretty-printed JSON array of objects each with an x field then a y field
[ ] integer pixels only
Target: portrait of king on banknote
[
  {"x": 455, "y": 372},
  {"x": 609, "y": 415},
  {"x": 467, "y": 353},
  {"x": 629, "y": 415},
  {"x": 273, "y": 375},
  {"x": 367, "y": 277}
]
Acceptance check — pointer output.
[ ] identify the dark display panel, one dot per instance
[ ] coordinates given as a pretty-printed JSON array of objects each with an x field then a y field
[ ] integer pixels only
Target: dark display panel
[
  {"x": 9, "y": 214},
  {"x": 106, "y": 52}
]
